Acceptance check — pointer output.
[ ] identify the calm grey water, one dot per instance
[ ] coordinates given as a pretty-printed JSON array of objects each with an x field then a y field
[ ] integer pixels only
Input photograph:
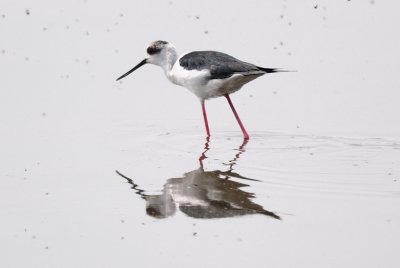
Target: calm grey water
[{"x": 317, "y": 184}]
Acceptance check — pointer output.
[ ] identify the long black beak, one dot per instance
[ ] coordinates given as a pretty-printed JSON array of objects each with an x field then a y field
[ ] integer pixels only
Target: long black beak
[{"x": 143, "y": 62}]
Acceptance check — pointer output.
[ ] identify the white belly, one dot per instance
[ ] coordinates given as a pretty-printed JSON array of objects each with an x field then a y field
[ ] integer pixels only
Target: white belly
[{"x": 199, "y": 84}]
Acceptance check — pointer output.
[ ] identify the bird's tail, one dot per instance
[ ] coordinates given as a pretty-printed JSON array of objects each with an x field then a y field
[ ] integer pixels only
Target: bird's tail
[{"x": 273, "y": 70}]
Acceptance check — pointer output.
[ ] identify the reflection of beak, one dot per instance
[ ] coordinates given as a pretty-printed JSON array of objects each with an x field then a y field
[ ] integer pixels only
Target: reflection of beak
[{"x": 143, "y": 62}]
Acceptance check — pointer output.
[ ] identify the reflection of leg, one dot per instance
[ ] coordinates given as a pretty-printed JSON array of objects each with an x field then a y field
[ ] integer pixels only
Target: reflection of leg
[
  {"x": 240, "y": 150},
  {"x": 246, "y": 136},
  {"x": 203, "y": 154},
  {"x": 233, "y": 162},
  {"x": 205, "y": 118}
]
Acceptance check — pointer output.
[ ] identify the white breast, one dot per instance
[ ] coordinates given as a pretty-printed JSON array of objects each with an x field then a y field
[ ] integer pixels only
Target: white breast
[
  {"x": 199, "y": 84},
  {"x": 193, "y": 80}
]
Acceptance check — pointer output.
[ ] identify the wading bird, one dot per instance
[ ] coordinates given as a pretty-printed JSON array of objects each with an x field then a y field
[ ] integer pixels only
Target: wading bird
[{"x": 207, "y": 74}]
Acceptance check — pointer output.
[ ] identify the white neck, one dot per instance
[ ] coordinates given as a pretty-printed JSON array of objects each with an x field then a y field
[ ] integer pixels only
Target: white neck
[{"x": 168, "y": 59}]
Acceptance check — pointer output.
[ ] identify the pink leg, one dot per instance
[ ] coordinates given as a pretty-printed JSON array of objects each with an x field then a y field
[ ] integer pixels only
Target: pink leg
[
  {"x": 246, "y": 136},
  {"x": 205, "y": 118}
]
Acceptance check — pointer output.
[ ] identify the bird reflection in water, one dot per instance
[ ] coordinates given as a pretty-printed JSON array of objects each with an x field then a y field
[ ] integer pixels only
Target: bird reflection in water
[{"x": 204, "y": 194}]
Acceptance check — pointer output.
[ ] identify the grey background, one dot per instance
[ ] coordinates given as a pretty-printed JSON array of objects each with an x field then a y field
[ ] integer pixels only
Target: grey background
[{"x": 66, "y": 125}]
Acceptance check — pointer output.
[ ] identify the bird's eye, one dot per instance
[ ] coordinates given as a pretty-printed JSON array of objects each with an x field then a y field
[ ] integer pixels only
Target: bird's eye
[
  {"x": 156, "y": 47},
  {"x": 151, "y": 50}
]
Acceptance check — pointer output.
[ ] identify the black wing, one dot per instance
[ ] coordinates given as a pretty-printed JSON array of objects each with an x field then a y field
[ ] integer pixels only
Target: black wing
[{"x": 221, "y": 65}]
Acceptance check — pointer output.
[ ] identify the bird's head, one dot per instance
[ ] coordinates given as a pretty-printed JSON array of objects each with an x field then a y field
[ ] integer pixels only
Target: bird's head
[{"x": 160, "y": 53}]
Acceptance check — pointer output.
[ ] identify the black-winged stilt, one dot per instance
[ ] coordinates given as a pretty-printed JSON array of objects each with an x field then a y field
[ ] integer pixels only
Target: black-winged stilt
[{"x": 207, "y": 74}]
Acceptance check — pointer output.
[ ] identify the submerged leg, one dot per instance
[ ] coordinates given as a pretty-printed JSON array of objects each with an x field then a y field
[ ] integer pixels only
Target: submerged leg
[
  {"x": 205, "y": 118},
  {"x": 246, "y": 136}
]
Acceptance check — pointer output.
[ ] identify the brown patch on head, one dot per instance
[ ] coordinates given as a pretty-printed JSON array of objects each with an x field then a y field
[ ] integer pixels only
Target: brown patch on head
[{"x": 156, "y": 47}]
